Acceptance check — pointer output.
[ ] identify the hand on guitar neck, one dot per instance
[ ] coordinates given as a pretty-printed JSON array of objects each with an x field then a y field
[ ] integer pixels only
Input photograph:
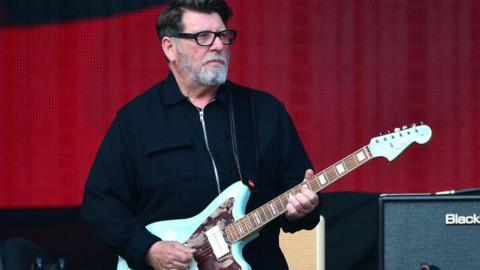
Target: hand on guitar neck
[
  {"x": 169, "y": 255},
  {"x": 303, "y": 202}
]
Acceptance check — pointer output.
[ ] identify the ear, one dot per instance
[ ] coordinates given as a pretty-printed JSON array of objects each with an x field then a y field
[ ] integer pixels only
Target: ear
[{"x": 169, "y": 49}]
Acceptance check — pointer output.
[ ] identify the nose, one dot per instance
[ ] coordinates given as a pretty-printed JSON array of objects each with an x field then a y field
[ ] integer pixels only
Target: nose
[{"x": 217, "y": 44}]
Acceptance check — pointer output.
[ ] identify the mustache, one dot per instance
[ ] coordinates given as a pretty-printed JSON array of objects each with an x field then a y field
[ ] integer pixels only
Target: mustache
[{"x": 219, "y": 58}]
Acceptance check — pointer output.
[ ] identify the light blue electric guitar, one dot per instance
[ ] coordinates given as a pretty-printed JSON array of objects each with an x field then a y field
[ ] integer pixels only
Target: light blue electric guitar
[{"x": 220, "y": 232}]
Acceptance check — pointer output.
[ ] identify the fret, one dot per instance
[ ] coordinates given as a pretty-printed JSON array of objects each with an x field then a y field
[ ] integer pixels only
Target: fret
[
  {"x": 272, "y": 208},
  {"x": 264, "y": 217},
  {"x": 239, "y": 229},
  {"x": 244, "y": 225},
  {"x": 351, "y": 163},
  {"x": 314, "y": 184},
  {"x": 355, "y": 162},
  {"x": 257, "y": 217},
  {"x": 227, "y": 233},
  {"x": 283, "y": 199},
  {"x": 228, "y": 230},
  {"x": 268, "y": 213},
  {"x": 307, "y": 184},
  {"x": 331, "y": 174},
  {"x": 279, "y": 205},
  {"x": 249, "y": 223},
  {"x": 367, "y": 152},
  {"x": 242, "y": 231},
  {"x": 251, "y": 218},
  {"x": 235, "y": 231}
]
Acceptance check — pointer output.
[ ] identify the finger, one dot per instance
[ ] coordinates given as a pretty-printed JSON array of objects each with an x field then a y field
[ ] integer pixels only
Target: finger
[
  {"x": 185, "y": 249},
  {"x": 311, "y": 196},
  {"x": 182, "y": 257},
  {"x": 300, "y": 203},
  {"x": 291, "y": 211},
  {"x": 180, "y": 265},
  {"x": 307, "y": 199},
  {"x": 309, "y": 173},
  {"x": 293, "y": 201},
  {"x": 182, "y": 254},
  {"x": 303, "y": 203}
]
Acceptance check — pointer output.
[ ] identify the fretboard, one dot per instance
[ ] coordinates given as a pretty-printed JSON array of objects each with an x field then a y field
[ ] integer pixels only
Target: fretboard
[{"x": 259, "y": 217}]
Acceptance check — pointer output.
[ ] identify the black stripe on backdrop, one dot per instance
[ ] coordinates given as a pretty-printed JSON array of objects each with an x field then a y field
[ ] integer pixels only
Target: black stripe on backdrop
[{"x": 32, "y": 12}]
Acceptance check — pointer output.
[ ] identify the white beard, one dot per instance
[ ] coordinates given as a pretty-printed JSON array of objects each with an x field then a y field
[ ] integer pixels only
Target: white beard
[
  {"x": 215, "y": 75},
  {"x": 211, "y": 76}
]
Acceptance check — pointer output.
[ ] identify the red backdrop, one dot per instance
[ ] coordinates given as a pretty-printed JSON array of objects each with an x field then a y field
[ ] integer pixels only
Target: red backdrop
[{"x": 346, "y": 70}]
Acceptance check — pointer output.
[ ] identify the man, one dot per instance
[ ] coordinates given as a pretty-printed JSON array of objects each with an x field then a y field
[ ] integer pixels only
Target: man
[{"x": 171, "y": 151}]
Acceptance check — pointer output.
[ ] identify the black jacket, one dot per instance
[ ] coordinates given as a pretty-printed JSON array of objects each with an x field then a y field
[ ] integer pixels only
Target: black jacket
[{"x": 153, "y": 165}]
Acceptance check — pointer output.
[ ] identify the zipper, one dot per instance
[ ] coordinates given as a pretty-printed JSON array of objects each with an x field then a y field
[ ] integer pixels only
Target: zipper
[{"x": 202, "y": 120}]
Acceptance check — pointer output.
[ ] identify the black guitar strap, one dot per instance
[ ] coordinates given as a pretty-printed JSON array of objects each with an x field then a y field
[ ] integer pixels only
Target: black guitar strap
[{"x": 244, "y": 136}]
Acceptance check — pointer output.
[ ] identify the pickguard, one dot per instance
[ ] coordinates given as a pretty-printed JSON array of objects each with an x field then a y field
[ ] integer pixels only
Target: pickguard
[{"x": 204, "y": 256}]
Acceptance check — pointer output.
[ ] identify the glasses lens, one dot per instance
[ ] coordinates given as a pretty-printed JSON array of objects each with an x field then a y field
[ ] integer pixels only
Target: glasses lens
[
  {"x": 205, "y": 38},
  {"x": 228, "y": 36}
]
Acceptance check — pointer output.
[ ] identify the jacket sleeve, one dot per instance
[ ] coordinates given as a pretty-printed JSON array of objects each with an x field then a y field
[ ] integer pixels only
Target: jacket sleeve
[
  {"x": 294, "y": 162},
  {"x": 109, "y": 196}
]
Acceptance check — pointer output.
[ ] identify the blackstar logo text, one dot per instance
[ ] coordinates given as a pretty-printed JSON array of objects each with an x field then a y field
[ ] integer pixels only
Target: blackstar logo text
[{"x": 456, "y": 219}]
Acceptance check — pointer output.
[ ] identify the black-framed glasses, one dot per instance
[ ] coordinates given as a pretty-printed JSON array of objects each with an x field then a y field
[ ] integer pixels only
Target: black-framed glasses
[{"x": 206, "y": 38}]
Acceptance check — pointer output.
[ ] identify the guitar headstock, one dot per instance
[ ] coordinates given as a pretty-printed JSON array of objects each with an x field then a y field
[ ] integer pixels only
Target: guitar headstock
[{"x": 392, "y": 144}]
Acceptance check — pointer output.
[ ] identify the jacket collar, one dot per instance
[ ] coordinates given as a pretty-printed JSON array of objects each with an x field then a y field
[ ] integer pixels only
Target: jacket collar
[
  {"x": 171, "y": 92},
  {"x": 172, "y": 95}
]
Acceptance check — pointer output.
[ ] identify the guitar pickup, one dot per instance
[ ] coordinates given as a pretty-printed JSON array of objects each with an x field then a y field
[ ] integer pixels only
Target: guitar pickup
[{"x": 217, "y": 242}]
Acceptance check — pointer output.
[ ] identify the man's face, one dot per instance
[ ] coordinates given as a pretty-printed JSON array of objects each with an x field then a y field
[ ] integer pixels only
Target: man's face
[{"x": 207, "y": 65}]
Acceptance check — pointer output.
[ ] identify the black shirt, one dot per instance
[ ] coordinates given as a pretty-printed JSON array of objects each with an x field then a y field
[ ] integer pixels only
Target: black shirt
[{"x": 154, "y": 164}]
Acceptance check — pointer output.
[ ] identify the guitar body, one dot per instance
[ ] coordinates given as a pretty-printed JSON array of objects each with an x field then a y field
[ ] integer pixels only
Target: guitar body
[{"x": 228, "y": 206}]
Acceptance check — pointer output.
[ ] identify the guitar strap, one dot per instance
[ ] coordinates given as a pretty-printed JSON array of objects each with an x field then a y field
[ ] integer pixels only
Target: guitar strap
[{"x": 244, "y": 135}]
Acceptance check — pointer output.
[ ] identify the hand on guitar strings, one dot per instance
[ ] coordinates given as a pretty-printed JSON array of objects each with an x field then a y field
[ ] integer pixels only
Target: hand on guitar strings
[
  {"x": 169, "y": 255},
  {"x": 303, "y": 202}
]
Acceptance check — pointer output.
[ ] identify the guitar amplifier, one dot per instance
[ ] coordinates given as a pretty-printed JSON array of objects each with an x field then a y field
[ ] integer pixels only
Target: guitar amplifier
[{"x": 429, "y": 232}]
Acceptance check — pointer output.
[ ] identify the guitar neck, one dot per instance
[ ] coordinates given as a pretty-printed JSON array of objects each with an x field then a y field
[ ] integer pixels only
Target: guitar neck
[{"x": 259, "y": 217}]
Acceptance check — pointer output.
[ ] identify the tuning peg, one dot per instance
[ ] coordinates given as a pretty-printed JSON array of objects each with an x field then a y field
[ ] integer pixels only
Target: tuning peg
[
  {"x": 381, "y": 133},
  {"x": 397, "y": 129},
  {"x": 421, "y": 122},
  {"x": 413, "y": 125},
  {"x": 404, "y": 127}
]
